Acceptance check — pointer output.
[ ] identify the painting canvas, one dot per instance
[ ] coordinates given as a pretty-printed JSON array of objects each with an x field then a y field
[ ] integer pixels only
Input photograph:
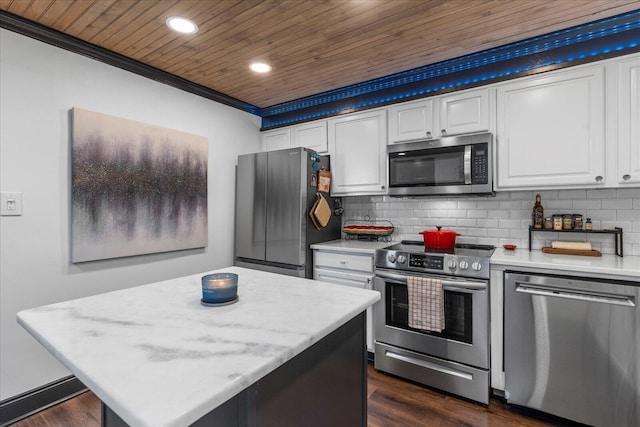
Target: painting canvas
[{"x": 136, "y": 188}]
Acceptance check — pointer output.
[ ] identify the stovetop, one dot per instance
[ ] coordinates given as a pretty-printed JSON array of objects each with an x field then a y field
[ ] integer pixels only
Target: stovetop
[
  {"x": 464, "y": 249},
  {"x": 466, "y": 260}
]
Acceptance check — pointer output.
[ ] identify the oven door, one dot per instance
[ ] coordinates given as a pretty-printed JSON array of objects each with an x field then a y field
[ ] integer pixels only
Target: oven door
[{"x": 465, "y": 338}]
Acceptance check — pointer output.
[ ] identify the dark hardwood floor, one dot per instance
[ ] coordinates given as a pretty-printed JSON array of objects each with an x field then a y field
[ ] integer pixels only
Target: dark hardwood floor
[{"x": 393, "y": 402}]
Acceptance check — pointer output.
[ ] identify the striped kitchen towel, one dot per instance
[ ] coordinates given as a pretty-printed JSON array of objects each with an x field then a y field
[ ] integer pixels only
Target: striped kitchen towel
[{"x": 426, "y": 303}]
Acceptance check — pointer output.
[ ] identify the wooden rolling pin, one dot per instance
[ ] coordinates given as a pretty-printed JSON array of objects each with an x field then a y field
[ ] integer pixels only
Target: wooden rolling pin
[{"x": 581, "y": 246}]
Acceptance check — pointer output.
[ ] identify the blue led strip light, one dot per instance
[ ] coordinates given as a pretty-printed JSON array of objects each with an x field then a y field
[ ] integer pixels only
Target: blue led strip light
[
  {"x": 504, "y": 54},
  {"x": 510, "y": 51}
]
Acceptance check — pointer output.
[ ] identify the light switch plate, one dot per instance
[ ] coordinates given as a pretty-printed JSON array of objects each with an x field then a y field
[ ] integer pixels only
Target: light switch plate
[{"x": 10, "y": 204}]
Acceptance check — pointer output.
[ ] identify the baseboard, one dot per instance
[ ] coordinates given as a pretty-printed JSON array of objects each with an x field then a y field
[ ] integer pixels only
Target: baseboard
[{"x": 26, "y": 404}]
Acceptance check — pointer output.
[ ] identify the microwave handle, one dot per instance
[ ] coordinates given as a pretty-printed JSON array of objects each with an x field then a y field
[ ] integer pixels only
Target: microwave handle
[{"x": 467, "y": 164}]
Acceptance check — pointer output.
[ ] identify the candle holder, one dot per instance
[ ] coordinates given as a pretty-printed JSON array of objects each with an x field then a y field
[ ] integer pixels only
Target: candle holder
[{"x": 219, "y": 289}]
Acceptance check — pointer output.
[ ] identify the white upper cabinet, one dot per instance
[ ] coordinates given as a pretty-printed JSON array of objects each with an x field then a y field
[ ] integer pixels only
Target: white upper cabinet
[
  {"x": 357, "y": 144},
  {"x": 628, "y": 165},
  {"x": 550, "y": 131},
  {"x": 311, "y": 135},
  {"x": 411, "y": 121},
  {"x": 464, "y": 112},
  {"x": 277, "y": 139}
]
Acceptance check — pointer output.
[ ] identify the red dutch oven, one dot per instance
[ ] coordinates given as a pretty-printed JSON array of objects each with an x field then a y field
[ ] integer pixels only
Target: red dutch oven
[{"x": 439, "y": 239}]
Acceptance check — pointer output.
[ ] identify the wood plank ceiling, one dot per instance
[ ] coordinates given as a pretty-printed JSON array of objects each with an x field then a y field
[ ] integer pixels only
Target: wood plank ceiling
[{"x": 313, "y": 45}]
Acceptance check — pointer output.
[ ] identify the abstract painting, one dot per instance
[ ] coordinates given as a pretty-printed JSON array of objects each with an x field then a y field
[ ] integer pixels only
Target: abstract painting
[{"x": 136, "y": 188}]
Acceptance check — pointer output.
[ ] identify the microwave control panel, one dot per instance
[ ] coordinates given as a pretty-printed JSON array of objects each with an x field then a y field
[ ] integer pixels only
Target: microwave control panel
[{"x": 480, "y": 167}]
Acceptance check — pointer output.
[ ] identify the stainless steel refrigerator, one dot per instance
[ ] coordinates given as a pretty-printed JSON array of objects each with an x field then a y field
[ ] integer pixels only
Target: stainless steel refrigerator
[{"x": 274, "y": 193}]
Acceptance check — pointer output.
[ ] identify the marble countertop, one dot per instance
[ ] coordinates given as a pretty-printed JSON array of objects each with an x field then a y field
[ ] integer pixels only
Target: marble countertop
[
  {"x": 356, "y": 246},
  {"x": 606, "y": 266},
  {"x": 158, "y": 357}
]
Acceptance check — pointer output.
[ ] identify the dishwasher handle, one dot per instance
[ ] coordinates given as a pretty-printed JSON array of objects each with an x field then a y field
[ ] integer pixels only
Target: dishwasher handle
[{"x": 622, "y": 300}]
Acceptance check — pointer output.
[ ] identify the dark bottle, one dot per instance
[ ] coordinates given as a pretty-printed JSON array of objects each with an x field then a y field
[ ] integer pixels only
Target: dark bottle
[{"x": 537, "y": 215}]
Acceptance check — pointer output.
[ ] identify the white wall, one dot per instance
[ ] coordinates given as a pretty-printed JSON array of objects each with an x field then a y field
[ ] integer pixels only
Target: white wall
[
  {"x": 39, "y": 84},
  {"x": 505, "y": 218}
]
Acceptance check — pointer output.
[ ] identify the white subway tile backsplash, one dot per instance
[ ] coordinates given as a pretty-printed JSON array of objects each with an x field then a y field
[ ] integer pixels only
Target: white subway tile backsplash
[
  {"x": 467, "y": 204},
  {"x": 510, "y": 223},
  {"x": 491, "y": 222},
  {"x": 440, "y": 213},
  {"x": 477, "y": 213},
  {"x": 572, "y": 194},
  {"x": 497, "y": 214},
  {"x": 587, "y": 204},
  {"x": 506, "y": 217},
  {"x": 626, "y": 215},
  {"x": 602, "y": 194},
  {"x": 447, "y": 204},
  {"x": 457, "y": 213},
  {"x": 557, "y": 206},
  {"x": 631, "y": 193},
  {"x": 620, "y": 204},
  {"x": 468, "y": 222},
  {"x": 512, "y": 204},
  {"x": 497, "y": 232},
  {"x": 601, "y": 215}
]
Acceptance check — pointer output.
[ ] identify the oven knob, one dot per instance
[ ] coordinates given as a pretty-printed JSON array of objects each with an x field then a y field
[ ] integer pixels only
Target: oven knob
[
  {"x": 402, "y": 259},
  {"x": 464, "y": 265},
  {"x": 391, "y": 258},
  {"x": 476, "y": 266},
  {"x": 451, "y": 263}
]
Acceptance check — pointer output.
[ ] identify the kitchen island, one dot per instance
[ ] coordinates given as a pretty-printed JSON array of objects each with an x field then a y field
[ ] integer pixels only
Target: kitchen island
[{"x": 290, "y": 352}]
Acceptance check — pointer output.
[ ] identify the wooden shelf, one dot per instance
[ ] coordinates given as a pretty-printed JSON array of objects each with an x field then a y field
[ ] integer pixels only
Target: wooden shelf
[{"x": 617, "y": 231}]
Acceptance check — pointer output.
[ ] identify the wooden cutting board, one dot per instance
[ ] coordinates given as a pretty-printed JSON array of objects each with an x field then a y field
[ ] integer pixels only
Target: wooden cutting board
[
  {"x": 322, "y": 211},
  {"x": 312, "y": 215},
  {"x": 550, "y": 250}
]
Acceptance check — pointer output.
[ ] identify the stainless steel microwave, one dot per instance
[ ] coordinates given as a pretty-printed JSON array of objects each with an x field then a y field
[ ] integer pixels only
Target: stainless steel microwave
[{"x": 453, "y": 165}]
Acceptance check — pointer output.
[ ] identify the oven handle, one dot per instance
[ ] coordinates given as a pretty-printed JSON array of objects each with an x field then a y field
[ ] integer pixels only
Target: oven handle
[{"x": 450, "y": 285}]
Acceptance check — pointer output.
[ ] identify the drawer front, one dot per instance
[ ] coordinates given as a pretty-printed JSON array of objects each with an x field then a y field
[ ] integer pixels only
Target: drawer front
[
  {"x": 341, "y": 260},
  {"x": 342, "y": 278}
]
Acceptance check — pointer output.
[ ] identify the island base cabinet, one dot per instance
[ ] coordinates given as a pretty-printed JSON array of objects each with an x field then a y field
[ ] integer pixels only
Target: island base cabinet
[{"x": 326, "y": 385}]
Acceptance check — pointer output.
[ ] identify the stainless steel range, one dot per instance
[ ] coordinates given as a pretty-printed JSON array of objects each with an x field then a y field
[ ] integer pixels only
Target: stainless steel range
[{"x": 455, "y": 359}]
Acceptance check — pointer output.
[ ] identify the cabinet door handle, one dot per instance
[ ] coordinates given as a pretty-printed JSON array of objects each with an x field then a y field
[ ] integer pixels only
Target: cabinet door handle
[
  {"x": 599, "y": 178},
  {"x": 428, "y": 134},
  {"x": 443, "y": 132},
  {"x": 626, "y": 177}
]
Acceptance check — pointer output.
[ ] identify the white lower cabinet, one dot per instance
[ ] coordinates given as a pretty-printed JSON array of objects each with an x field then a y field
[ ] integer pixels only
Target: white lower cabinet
[
  {"x": 551, "y": 131},
  {"x": 349, "y": 269}
]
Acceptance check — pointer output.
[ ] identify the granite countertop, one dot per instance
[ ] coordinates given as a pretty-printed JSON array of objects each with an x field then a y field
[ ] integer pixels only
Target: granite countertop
[
  {"x": 356, "y": 246},
  {"x": 158, "y": 357},
  {"x": 606, "y": 266}
]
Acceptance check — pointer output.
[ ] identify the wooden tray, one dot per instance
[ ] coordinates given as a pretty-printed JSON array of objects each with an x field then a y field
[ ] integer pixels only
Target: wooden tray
[{"x": 550, "y": 250}]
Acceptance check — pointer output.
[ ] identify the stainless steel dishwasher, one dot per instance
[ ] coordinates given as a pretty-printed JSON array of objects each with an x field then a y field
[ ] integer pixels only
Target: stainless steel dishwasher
[{"x": 572, "y": 347}]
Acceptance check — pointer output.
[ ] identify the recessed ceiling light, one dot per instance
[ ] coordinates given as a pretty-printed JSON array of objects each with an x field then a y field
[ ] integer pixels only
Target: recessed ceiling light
[
  {"x": 182, "y": 25},
  {"x": 260, "y": 67}
]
